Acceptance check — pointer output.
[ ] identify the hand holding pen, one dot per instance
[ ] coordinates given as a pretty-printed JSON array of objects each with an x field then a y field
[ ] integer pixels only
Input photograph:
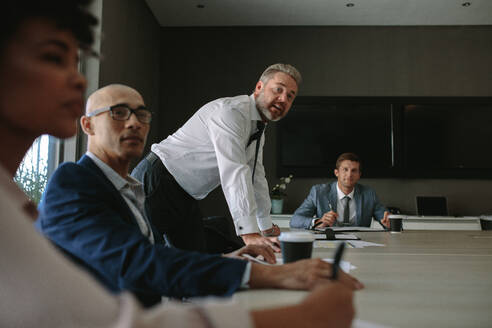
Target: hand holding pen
[
  {"x": 327, "y": 220},
  {"x": 336, "y": 261}
]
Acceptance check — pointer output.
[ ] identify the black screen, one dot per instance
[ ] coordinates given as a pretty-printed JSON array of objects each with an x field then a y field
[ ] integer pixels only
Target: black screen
[
  {"x": 447, "y": 136},
  {"x": 313, "y": 136},
  {"x": 436, "y": 205},
  {"x": 402, "y": 137}
]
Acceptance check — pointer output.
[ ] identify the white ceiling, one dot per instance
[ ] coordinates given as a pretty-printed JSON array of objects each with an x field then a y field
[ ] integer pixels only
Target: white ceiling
[{"x": 320, "y": 12}]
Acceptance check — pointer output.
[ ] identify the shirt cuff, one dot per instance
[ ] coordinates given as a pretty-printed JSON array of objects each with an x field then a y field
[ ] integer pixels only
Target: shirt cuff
[
  {"x": 246, "y": 225},
  {"x": 312, "y": 223},
  {"x": 264, "y": 223},
  {"x": 246, "y": 276}
]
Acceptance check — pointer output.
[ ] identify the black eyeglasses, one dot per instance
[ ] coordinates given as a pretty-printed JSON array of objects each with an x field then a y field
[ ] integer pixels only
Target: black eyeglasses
[{"x": 122, "y": 112}]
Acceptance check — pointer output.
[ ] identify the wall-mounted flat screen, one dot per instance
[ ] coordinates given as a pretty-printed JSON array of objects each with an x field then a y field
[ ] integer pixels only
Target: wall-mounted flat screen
[
  {"x": 402, "y": 137},
  {"x": 312, "y": 136},
  {"x": 448, "y": 136}
]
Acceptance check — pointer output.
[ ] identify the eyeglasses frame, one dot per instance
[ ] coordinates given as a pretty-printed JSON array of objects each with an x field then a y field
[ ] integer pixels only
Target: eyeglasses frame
[{"x": 110, "y": 109}]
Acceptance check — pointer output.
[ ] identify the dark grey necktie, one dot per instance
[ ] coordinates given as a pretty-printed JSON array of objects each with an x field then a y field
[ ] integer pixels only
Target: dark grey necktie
[
  {"x": 346, "y": 211},
  {"x": 256, "y": 136}
]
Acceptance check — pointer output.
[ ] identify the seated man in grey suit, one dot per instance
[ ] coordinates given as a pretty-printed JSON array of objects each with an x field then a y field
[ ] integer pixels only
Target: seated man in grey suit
[{"x": 341, "y": 203}]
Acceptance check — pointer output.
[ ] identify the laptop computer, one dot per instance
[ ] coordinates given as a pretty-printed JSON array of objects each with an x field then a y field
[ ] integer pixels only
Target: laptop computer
[{"x": 432, "y": 206}]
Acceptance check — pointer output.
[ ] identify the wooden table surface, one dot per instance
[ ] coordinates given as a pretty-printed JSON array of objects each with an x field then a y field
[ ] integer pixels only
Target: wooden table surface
[{"x": 419, "y": 279}]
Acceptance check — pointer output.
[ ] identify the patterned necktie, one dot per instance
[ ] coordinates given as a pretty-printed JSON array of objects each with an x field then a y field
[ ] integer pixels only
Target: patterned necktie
[
  {"x": 346, "y": 211},
  {"x": 256, "y": 136}
]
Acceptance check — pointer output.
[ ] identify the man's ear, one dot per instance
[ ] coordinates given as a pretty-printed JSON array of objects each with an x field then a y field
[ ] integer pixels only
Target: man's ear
[
  {"x": 86, "y": 124},
  {"x": 258, "y": 87},
  {"x": 336, "y": 172}
]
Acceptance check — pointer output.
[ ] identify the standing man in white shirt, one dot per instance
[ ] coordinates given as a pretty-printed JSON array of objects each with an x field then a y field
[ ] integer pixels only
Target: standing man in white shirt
[{"x": 221, "y": 144}]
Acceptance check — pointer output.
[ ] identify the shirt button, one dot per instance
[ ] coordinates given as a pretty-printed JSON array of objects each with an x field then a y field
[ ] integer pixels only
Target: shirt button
[{"x": 240, "y": 228}]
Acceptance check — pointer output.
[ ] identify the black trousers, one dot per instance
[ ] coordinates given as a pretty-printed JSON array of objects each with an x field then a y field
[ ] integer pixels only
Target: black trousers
[{"x": 177, "y": 215}]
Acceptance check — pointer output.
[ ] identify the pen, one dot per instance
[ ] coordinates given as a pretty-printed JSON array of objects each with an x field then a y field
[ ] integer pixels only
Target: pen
[
  {"x": 336, "y": 261},
  {"x": 319, "y": 222}
]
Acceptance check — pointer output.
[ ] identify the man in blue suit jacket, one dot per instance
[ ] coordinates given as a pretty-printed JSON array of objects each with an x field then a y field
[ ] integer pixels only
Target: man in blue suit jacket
[
  {"x": 341, "y": 203},
  {"x": 94, "y": 211}
]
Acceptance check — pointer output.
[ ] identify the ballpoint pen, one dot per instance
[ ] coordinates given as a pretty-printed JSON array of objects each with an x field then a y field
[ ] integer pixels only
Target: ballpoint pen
[
  {"x": 319, "y": 222},
  {"x": 336, "y": 261}
]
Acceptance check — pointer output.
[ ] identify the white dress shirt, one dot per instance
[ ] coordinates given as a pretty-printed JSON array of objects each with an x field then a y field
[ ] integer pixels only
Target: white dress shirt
[
  {"x": 341, "y": 206},
  {"x": 210, "y": 150},
  {"x": 39, "y": 287}
]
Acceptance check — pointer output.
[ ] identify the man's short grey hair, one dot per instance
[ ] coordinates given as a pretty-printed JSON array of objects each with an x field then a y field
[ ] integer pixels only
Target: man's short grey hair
[{"x": 284, "y": 68}]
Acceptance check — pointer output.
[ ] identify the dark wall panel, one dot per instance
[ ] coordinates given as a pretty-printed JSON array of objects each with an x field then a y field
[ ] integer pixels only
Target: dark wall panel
[
  {"x": 200, "y": 64},
  {"x": 130, "y": 52}
]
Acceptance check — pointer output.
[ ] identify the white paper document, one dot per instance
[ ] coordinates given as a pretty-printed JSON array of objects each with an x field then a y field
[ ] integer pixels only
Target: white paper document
[
  {"x": 344, "y": 265},
  {"x": 256, "y": 259},
  {"x": 341, "y": 229},
  {"x": 362, "y": 244},
  {"x": 320, "y": 236},
  {"x": 327, "y": 244},
  {"x": 350, "y": 243}
]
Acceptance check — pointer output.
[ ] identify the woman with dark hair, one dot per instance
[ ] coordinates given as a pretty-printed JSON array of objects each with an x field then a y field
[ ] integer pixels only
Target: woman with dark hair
[{"x": 41, "y": 92}]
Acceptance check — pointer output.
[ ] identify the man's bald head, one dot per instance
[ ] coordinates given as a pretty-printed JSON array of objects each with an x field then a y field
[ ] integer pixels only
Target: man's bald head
[
  {"x": 110, "y": 95},
  {"x": 114, "y": 139}
]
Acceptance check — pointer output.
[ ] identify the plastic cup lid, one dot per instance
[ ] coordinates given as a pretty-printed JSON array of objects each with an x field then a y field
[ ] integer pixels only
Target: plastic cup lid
[
  {"x": 486, "y": 217},
  {"x": 296, "y": 236}
]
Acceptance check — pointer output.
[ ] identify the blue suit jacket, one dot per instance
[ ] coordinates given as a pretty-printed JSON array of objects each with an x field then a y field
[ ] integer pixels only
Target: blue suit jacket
[
  {"x": 83, "y": 214},
  {"x": 322, "y": 195}
]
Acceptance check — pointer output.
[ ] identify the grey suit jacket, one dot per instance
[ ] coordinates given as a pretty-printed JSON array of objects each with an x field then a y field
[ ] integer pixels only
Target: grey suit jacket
[{"x": 322, "y": 195}]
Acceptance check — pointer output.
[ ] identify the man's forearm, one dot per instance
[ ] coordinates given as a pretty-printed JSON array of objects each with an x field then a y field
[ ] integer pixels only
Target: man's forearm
[{"x": 264, "y": 276}]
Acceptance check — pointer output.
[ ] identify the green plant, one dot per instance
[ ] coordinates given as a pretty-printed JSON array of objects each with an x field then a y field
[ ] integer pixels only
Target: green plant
[
  {"x": 32, "y": 174},
  {"x": 278, "y": 191}
]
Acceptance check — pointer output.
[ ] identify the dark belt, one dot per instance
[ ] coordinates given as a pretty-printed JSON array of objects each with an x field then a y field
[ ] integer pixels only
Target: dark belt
[{"x": 152, "y": 157}]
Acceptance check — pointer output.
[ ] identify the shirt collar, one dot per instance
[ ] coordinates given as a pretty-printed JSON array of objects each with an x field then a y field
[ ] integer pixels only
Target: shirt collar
[
  {"x": 340, "y": 193},
  {"x": 255, "y": 114},
  {"x": 117, "y": 180}
]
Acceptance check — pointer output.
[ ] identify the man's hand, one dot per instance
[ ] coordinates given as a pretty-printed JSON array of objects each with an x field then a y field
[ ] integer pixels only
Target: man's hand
[
  {"x": 303, "y": 274},
  {"x": 254, "y": 250},
  {"x": 272, "y": 232},
  {"x": 385, "y": 221},
  {"x": 329, "y": 305},
  {"x": 257, "y": 239},
  {"x": 327, "y": 220}
]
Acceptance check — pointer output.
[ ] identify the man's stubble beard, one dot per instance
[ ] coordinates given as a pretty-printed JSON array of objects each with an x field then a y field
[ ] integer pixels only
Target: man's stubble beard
[{"x": 263, "y": 108}]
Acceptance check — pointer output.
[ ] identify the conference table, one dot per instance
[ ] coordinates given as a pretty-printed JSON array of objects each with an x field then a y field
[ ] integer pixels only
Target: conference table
[{"x": 418, "y": 279}]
